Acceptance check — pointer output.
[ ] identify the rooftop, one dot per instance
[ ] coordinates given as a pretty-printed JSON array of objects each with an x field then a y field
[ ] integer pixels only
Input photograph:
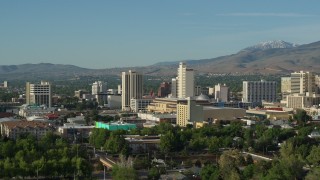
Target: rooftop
[{"x": 25, "y": 124}]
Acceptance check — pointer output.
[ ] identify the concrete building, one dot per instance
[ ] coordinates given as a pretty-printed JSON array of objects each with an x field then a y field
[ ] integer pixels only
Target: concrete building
[
  {"x": 164, "y": 90},
  {"x": 99, "y": 87},
  {"x": 211, "y": 114},
  {"x": 163, "y": 105},
  {"x": 197, "y": 90},
  {"x": 13, "y": 129},
  {"x": 79, "y": 94},
  {"x": 302, "y": 101},
  {"x": 258, "y": 91},
  {"x": 158, "y": 118},
  {"x": 143, "y": 144},
  {"x": 119, "y": 89},
  {"x": 112, "y": 91},
  {"x": 114, "y": 102},
  {"x": 137, "y": 105},
  {"x": 174, "y": 90},
  {"x": 185, "y": 81},
  {"x": 285, "y": 87},
  {"x": 189, "y": 113},
  {"x": 75, "y": 132},
  {"x": 28, "y": 110},
  {"x": 5, "y": 84},
  {"x": 303, "y": 82},
  {"x": 132, "y": 87},
  {"x": 221, "y": 93},
  {"x": 268, "y": 114},
  {"x": 211, "y": 91},
  {"x": 39, "y": 94}
]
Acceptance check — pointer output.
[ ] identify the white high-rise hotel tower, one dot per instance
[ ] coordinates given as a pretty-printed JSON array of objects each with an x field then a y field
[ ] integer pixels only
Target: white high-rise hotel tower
[
  {"x": 183, "y": 85},
  {"x": 132, "y": 87}
]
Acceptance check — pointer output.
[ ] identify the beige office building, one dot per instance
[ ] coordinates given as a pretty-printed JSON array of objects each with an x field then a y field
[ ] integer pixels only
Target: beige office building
[
  {"x": 132, "y": 88},
  {"x": 303, "y": 82},
  {"x": 189, "y": 113},
  {"x": 185, "y": 81},
  {"x": 39, "y": 94}
]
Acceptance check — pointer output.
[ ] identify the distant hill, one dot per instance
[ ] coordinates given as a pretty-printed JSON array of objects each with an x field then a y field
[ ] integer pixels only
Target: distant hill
[
  {"x": 273, "y": 58},
  {"x": 277, "y": 44}
]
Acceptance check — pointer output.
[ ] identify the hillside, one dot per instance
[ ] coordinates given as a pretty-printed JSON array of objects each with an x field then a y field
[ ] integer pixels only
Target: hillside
[{"x": 254, "y": 61}]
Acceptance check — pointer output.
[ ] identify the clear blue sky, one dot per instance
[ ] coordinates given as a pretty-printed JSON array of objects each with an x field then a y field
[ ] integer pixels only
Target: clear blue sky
[{"x": 119, "y": 33}]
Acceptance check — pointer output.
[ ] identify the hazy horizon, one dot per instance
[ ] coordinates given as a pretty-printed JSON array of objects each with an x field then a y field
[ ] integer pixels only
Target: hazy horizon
[{"x": 108, "y": 34}]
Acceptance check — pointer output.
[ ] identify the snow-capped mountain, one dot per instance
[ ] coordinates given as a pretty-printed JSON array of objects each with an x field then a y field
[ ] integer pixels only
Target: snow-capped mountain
[{"x": 271, "y": 45}]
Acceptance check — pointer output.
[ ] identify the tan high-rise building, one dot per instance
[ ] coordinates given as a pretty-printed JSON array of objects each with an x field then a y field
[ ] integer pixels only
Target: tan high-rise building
[
  {"x": 185, "y": 81},
  {"x": 132, "y": 87},
  {"x": 39, "y": 94},
  {"x": 302, "y": 83}
]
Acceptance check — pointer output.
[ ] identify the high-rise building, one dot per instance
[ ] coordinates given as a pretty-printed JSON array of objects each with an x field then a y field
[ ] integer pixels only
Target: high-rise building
[
  {"x": 174, "y": 88},
  {"x": 39, "y": 94},
  {"x": 257, "y": 91},
  {"x": 99, "y": 87},
  {"x": 303, "y": 83},
  {"x": 5, "y": 84},
  {"x": 132, "y": 87},
  {"x": 197, "y": 90},
  {"x": 164, "y": 89},
  {"x": 185, "y": 81},
  {"x": 221, "y": 93}
]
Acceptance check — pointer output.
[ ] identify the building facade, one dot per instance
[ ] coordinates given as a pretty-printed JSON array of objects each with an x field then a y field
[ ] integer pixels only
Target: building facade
[
  {"x": 39, "y": 94},
  {"x": 258, "y": 91},
  {"x": 13, "y": 129},
  {"x": 132, "y": 87},
  {"x": 188, "y": 112},
  {"x": 98, "y": 87},
  {"x": 138, "y": 105},
  {"x": 185, "y": 81},
  {"x": 221, "y": 93},
  {"x": 164, "y": 90},
  {"x": 302, "y": 83}
]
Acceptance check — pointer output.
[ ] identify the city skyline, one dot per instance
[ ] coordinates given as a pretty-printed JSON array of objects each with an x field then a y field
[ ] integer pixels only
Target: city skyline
[{"x": 107, "y": 34}]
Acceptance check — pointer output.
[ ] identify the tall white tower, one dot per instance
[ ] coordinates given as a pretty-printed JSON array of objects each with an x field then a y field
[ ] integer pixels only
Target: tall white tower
[
  {"x": 185, "y": 81},
  {"x": 98, "y": 87},
  {"x": 132, "y": 87}
]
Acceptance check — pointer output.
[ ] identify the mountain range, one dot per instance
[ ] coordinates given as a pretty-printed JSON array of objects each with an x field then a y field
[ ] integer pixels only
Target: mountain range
[{"x": 273, "y": 57}]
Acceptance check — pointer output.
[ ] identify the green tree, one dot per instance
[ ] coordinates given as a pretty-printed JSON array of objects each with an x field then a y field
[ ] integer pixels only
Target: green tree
[
  {"x": 229, "y": 162},
  {"x": 301, "y": 116},
  {"x": 214, "y": 144},
  {"x": 116, "y": 144},
  {"x": 153, "y": 173},
  {"x": 314, "y": 157},
  {"x": 124, "y": 169},
  {"x": 210, "y": 171},
  {"x": 167, "y": 142},
  {"x": 98, "y": 137}
]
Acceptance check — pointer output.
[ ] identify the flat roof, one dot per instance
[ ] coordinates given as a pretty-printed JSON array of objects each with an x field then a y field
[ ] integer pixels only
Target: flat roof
[{"x": 213, "y": 107}]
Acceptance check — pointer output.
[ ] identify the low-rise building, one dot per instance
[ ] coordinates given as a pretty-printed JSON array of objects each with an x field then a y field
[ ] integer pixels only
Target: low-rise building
[
  {"x": 34, "y": 110},
  {"x": 112, "y": 126},
  {"x": 75, "y": 132},
  {"x": 13, "y": 129},
  {"x": 139, "y": 105},
  {"x": 143, "y": 144},
  {"x": 268, "y": 114}
]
